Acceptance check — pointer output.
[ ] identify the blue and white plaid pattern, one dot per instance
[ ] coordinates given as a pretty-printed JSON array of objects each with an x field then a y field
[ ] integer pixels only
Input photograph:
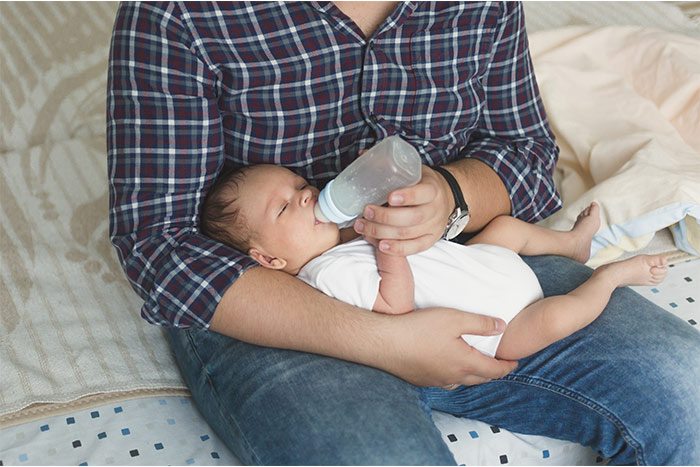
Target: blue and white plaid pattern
[{"x": 194, "y": 86}]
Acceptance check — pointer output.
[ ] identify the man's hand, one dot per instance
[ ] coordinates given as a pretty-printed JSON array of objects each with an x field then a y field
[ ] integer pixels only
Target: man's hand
[
  {"x": 415, "y": 218},
  {"x": 425, "y": 348}
]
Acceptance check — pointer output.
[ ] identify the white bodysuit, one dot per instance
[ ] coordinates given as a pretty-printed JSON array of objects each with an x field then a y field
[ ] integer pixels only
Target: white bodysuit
[{"x": 485, "y": 279}]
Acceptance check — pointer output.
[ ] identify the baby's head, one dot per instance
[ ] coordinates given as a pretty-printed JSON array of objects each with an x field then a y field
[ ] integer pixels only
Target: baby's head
[{"x": 267, "y": 211}]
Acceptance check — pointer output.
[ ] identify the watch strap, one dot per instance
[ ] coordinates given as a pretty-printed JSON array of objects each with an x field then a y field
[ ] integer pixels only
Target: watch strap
[{"x": 454, "y": 186}]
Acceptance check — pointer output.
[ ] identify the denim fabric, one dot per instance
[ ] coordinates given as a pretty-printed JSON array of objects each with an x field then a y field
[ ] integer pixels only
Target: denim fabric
[
  {"x": 279, "y": 407},
  {"x": 627, "y": 385}
]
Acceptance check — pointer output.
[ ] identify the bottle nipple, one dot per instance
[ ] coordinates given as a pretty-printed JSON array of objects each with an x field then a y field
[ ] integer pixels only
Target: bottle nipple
[{"x": 319, "y": 214}]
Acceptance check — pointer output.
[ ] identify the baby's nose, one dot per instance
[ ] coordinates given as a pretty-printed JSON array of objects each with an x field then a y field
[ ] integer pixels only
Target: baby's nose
[{"x": 306, "y": 196}]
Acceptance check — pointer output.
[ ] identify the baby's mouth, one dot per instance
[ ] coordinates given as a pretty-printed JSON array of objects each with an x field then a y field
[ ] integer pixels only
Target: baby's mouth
[{"x": 316, "y": 221}]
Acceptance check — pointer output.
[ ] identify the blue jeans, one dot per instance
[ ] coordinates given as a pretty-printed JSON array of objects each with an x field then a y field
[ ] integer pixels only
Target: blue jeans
[{"x": 627, "y": 385}]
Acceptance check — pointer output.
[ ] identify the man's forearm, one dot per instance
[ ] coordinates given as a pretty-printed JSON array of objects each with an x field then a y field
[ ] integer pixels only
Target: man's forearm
[
  {"x": 483, "y": 191},
  {"x": 273, "y": 309}
]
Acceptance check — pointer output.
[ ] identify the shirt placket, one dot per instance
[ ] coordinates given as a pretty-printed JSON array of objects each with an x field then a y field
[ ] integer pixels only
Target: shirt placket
[
  {"x": 374, "y": 58},
  {"x": 371, "y": 81}
]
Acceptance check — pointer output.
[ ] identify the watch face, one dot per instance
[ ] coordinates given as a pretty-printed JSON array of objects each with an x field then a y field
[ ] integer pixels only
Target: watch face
[{"x": 457, "y": 226}]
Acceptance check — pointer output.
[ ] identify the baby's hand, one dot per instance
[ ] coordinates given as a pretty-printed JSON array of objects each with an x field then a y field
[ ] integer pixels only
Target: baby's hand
[
  {"x": 372, "y": 241},
  {"x": 396, "y": 287}
]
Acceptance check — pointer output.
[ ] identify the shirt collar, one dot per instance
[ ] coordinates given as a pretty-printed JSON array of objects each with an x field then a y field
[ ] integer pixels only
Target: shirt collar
[{"x": 402, "y": 11}]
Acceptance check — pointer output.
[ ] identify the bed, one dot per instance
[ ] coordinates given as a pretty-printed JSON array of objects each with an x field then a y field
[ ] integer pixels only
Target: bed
[{"x": 87, "y": 381}]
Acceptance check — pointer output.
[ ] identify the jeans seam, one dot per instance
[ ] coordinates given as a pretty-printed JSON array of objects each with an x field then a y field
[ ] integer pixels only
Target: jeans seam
[
  {"x": 585, "y": 401},
  {"x": 218, "y": 398}
]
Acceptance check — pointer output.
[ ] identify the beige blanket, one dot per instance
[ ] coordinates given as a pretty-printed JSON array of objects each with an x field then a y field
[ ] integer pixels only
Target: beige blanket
[
  {"x": 70, "y": 328},
  {"x": 624, "y": 103}
]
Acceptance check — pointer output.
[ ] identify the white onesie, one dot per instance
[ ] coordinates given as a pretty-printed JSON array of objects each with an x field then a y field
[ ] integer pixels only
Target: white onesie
[{"x": 485, "y": 279}]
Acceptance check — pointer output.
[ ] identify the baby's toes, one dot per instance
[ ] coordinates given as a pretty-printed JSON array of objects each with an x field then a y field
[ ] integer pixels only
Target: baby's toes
[
  {"x": 658, "y": 273},
  {"x": 659, "y": 261},
  {"x": 656, "y": 280},
  {"x": 593, "y": 209}
]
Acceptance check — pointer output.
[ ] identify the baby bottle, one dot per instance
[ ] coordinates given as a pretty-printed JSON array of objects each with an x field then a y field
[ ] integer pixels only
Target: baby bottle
[{"x": 392, "y": 163}]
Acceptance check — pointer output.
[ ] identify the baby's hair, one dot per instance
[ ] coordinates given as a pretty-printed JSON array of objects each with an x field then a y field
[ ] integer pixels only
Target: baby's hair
[{"x": 220, "y": 217}]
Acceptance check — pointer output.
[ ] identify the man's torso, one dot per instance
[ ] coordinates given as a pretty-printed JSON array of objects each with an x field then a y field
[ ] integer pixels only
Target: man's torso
[{"x": 298, "y": 83}]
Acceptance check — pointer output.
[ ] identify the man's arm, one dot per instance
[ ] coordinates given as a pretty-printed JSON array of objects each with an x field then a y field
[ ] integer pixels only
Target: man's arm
[
  {"x": 482, "y": 188},
  {"x": 513, "y": 150},
  {"x": 272, "y": 308},
  {"x": 165, "y": 148}
]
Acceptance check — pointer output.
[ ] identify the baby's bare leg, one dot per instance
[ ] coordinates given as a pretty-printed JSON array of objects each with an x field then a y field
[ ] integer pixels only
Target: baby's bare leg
[
  {"x": 553, "y": 318},
  {"x": 530, "y": 239}
]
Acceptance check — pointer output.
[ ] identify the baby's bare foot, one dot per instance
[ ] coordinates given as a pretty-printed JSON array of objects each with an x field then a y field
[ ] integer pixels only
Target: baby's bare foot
[
  {"x": 586, "y": 226},
  {"x": 638, "y": 270}
]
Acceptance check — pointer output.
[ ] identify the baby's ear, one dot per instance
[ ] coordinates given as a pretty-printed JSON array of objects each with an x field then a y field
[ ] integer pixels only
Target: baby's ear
[{"x": 267, "y": 261}]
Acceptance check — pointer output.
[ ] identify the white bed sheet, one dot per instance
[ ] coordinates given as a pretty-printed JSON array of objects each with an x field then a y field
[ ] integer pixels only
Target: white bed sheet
[{"x": 170, "y": 430}]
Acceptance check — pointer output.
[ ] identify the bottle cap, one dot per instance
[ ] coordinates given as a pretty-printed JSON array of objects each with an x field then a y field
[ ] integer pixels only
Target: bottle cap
[{"x": 326, "y": 211}]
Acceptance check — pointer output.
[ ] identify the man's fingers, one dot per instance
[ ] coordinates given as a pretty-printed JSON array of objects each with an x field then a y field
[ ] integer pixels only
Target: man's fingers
[
  {"x": 372, "y": 241},
  {"x": 473, "y": 380},
  {"x": 398, "y": 217},
  {"x": 482, "y": 366},
  {"x": 406, "y": 247},
  {"x": 470, "y": 380},
  {"x": 482, "y": 325},
  {"x": 415, "y": 195},
  {"x": 409, "y": 230}
]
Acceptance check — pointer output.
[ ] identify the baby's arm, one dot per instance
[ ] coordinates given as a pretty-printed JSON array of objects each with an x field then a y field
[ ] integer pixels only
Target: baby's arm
[{"x": 396, "y": 288}]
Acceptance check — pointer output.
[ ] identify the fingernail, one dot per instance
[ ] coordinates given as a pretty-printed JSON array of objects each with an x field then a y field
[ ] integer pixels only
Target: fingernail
[
  {"x": 384, "y": 246},
  {"x": 359, "y": 226},
  {"x": 369, "y": 213},
  {"x": 396, "y": 199},
  {"x": 500, "y": 326}
]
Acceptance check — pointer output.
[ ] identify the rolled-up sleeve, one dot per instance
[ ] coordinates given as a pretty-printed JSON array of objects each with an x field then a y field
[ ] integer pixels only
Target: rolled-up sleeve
[
  {"x": 513, "y": 136},
  {"x": 165, "y": 148}
]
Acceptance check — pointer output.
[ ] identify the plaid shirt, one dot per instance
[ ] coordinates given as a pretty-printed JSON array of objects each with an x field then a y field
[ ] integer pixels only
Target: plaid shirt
[{"x": 194, "y": 86}]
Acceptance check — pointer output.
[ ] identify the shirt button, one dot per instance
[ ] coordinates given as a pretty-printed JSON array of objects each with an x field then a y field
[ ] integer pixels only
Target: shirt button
[{"x": 371, "y": 45}]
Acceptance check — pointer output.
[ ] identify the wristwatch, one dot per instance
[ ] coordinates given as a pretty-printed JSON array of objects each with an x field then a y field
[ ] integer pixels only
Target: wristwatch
[{"x": 459, "y": 218}]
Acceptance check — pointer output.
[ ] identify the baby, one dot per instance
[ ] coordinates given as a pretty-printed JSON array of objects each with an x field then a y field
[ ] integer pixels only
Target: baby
[{"x": 267, "y": 211}]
